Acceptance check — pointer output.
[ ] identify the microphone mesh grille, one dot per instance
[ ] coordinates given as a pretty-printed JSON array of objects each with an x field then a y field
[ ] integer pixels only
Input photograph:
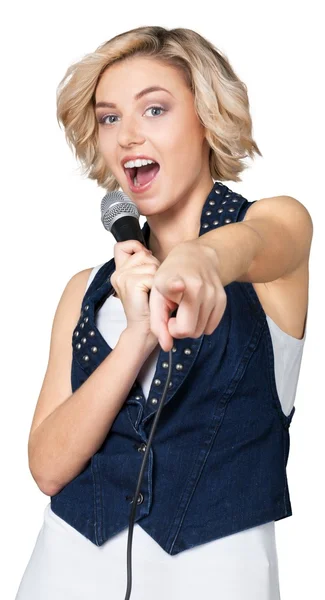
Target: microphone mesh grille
[{"x": 114, "y": 204}]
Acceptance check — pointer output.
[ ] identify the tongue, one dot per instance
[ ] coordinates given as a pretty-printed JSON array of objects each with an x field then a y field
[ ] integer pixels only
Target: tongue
[{"x": 147, "y": 173}]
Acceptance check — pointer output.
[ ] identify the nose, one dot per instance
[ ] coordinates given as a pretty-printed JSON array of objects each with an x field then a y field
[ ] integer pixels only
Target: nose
[{"x": 129, "y": 132}]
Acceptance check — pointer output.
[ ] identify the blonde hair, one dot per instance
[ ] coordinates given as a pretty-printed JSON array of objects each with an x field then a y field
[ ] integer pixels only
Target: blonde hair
[{"x": 220, "y": 98}]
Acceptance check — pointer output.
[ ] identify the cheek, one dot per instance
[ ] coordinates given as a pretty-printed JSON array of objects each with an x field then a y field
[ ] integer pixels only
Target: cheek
[
  {"x": 107, "y": 152},
  {"x": 182, "y": 140},
  {"x": 103, "y": 143},
  {"x": 106, "y": 139}
]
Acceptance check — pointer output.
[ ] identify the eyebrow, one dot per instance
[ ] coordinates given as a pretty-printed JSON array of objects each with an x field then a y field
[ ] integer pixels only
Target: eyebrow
[{"x": 139, "y": 95}]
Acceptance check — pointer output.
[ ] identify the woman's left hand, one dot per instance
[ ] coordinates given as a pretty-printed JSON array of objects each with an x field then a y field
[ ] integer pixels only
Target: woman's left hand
[{"x": 187, "y": 278}]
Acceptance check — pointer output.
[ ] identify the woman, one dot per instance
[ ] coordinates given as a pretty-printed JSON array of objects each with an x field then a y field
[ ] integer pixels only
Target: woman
[{"x": 216, "y": 480}]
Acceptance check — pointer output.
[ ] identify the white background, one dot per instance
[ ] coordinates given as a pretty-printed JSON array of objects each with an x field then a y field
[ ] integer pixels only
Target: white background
[{"x": 51, "y": 225}]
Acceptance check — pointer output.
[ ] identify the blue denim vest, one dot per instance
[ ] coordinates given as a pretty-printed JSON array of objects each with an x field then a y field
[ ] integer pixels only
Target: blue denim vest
[{"x": 217, "y": 464}]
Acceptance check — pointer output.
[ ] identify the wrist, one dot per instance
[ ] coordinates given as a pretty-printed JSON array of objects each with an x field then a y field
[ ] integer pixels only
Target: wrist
[{"x": 140, "y": 338}]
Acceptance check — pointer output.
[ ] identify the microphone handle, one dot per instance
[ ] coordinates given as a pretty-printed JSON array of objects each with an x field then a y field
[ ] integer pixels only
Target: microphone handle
[{"x": 127, "y": 228}]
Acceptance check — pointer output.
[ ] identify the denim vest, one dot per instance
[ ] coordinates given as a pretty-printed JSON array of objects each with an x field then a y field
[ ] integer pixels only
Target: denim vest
[{"x": 217, "y": 464}]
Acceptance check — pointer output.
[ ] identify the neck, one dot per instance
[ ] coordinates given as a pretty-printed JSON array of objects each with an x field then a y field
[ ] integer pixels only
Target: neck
[{"x": 179, "y": 224}]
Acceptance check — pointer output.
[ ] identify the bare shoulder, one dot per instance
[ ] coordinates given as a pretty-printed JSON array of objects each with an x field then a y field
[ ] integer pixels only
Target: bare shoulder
[
  {"x": 285, "y": 300},
  {"x": 56, "y": 386},
  {"x": 74, "y": 290},
  {"x": 68, "y": 309}
]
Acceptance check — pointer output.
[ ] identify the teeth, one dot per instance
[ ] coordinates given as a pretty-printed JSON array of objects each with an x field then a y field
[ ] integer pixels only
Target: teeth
[{"x": 139, "y": 162}]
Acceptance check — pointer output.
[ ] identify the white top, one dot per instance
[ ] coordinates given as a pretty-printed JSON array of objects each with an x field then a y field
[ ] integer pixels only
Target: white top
[{"x": 241, "y": 566}]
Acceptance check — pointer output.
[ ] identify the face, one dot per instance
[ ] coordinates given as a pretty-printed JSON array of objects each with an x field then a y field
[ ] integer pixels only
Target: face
[{"x": 161, "y": 125}]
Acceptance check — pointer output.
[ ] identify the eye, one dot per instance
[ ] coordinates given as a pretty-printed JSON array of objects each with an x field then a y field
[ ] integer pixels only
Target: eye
[
  {"x": 102, "y": 120},
  {"x": 155, "y": 108}
]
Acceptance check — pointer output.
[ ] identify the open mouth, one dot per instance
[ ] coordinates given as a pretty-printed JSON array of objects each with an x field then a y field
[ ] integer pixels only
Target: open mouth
[{"x": 141, "y": 176}]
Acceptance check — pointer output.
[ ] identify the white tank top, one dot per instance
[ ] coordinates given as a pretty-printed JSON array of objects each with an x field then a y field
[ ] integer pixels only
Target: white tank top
[{"x": 241, "y": 566}]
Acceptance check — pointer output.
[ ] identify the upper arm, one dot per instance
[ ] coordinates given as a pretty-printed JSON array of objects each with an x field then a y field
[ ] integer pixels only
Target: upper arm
[
  {"x": 286, "y": 229},
  {"x": 56, "y": 387}
]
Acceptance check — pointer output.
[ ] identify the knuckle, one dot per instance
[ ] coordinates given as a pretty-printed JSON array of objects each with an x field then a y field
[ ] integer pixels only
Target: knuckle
[
  {"x": 223, "y": 297},
  {"x": 142, "y": 256},
  {"x": 211, "y": 291},
  {"x": 196, "y": 283},
  {"x": 117, "y": 247},
  {"x": 118, "y": 278},
  {"x": 184, "y": 331}
]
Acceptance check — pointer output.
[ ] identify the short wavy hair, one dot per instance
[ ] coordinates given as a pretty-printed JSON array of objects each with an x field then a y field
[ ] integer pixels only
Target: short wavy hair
[{"x": 220, "y": 98}]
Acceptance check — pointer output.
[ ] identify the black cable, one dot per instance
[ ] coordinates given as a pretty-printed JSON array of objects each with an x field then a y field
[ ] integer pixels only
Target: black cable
[{"x": 135, "y": 503}]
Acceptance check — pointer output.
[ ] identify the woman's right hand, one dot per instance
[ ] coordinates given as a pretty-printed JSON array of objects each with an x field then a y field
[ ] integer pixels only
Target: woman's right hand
[{"x": 132, "y": 280}]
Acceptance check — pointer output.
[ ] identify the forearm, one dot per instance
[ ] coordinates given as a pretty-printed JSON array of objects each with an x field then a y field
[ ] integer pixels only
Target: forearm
[
  {"x": 65, "y": 441},
  {"x": 236, "y": 245}
]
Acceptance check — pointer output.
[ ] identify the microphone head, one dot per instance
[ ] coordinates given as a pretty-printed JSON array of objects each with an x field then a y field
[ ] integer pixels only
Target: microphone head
[{"x": 115, "y": 205}]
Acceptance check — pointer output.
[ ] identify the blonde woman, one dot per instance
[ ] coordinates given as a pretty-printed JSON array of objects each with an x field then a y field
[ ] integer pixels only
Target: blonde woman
[{"x": 161, "y": 115}]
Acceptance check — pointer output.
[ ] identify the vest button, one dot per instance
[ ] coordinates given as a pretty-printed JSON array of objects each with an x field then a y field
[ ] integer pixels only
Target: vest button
[
  {"x": 220, "y": 210},
  {"x": 87, "y": 306},
  {"x": 76, "y": 333},
  {"x": 165, "y": 365},
  {"x": 154, "y": 400},
  {"x": 187, "y": 351},
  {"x": 94, "y": 348},
  {"x": 91, "y": 333},
  {"x": 140, "y": 498},
  {"x": 217, "y": 191},
  {"x": 81, "y": 325},
  {"x": 157, "y": 382},
  {"x": 86, "y": 319},
  {"x": 142, "y": 448},
  {"x": 212, "y": 202},
  {"x": 215, "y": 222},
  {"x": 83, "y": 340},
  {"x": 227, "y": 220},
  {"x": 86, "y": 357},
  {"x": 78, "y": 346},
  {"x": 179, "y": 366}
]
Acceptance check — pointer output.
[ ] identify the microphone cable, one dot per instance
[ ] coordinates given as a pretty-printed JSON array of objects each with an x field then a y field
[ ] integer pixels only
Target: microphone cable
[{"x": 144, "y": 461}]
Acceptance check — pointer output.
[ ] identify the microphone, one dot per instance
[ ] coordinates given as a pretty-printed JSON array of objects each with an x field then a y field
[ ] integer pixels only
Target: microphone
[{"x": 120, "y": 216}]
